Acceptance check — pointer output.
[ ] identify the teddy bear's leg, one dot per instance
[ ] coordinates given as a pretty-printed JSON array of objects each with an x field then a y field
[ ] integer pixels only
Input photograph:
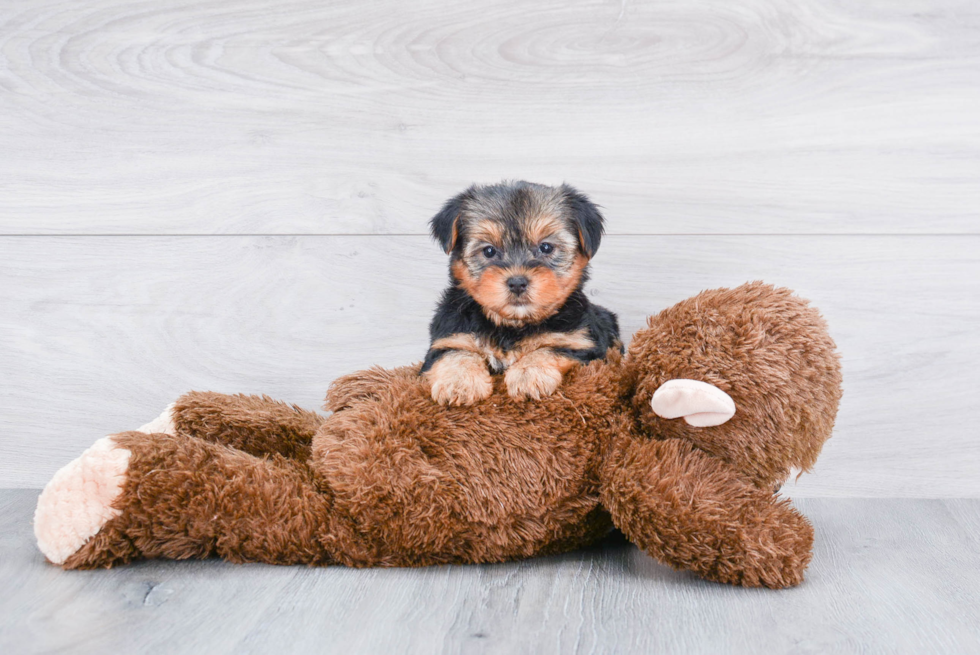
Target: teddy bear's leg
[
  {"x": 255, "y": 424},
  {"x": 157, "y": 495},
  {"x": 692, "y": 511}
]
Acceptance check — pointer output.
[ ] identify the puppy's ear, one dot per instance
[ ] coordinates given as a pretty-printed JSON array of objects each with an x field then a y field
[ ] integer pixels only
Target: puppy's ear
[
  {"x": 586, "y": 219},
  {"x": 444, "y": 226}
]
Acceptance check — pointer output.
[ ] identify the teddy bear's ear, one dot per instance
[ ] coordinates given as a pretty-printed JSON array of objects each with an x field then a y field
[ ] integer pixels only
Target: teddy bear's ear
[
  {"x": 701, "y": 404},
  {"x": 586, "y": 220},
  {"x": 444, "y": 226}
]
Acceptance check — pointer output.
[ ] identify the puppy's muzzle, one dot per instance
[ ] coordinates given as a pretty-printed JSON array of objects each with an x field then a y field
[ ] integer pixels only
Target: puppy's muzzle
[{"x": 517, "y": 284}]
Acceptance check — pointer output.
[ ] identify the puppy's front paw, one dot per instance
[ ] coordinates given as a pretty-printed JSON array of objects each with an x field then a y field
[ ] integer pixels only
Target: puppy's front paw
[
  {"x": 529, "y": 378},
  {"x": 460, "y": 378}
]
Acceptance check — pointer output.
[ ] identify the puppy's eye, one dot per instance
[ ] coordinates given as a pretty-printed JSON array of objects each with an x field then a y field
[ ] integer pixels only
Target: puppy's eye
[
  {"x": 489, "y": 252},
  {"x": 546, "y": 248}
]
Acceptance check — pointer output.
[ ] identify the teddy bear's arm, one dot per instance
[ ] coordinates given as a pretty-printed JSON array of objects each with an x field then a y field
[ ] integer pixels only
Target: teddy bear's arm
[
  {"x": 693, "y": 511},
  {"x": 257, "y": 425}
]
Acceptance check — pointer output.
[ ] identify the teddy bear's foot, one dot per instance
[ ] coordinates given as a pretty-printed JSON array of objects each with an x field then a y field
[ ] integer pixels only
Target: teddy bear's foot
[
  {"x": 701, "y": 404},
  {"x": 77, "y": 502}
]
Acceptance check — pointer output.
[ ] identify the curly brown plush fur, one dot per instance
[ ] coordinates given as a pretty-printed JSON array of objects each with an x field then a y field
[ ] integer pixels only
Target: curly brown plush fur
[
  {"x": 770, "y": 351},
  {"x": 392, "y": 478}
]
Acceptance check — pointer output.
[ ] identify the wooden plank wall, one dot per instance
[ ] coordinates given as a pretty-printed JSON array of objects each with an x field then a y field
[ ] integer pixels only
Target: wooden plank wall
[{"x": 234, "y": 195}]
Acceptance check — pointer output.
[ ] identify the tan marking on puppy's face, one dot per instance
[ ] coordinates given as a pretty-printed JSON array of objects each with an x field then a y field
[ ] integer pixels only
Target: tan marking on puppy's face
[
  {"x": 537, "y": 374},
  {"x": 529, "y": 231},
  {"x": 546, "y": 226},
  {"x": 459, "y": 378},
  {"x": 490, "y": 291},
  {"x": 485, "y": 232},
  {"x": 548, "y": 290},
  {"x": 551, "y": 279}
]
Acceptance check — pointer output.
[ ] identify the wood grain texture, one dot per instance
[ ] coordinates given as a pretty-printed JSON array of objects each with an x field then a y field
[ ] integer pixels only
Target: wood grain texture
[
  {"x": 764, "y": 127},
  {"x": 345, "y": 117},
  {"x": 100, "y": 333},
  {"x": 888, "y": 576}
]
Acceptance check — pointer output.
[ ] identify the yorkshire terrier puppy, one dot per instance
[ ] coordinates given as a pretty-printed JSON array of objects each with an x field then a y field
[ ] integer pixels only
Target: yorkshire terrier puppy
[{"x": 519, "y": 256}]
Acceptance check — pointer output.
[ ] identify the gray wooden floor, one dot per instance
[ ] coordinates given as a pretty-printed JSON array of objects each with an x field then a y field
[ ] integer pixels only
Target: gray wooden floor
[{"x": 888, "y": 576}]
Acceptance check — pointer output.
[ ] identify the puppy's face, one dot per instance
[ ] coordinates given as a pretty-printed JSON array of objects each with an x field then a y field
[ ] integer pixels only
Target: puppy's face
[{"x": 519, "y": 249}]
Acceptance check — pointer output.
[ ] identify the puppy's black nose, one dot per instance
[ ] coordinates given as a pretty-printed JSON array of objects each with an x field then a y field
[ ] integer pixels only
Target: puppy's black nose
[{"x": 517, "y": 284}]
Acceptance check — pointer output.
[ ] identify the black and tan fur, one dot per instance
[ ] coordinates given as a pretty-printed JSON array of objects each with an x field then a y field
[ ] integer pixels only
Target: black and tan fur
[{"x": 519, "y": 255}]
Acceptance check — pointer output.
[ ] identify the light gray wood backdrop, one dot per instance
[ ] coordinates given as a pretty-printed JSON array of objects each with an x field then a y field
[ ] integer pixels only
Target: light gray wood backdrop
[{"x": 234, "y": 195}]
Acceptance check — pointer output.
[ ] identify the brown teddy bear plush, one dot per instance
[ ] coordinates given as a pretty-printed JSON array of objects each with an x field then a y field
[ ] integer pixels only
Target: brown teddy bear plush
[{"x": 680, "y": 444}]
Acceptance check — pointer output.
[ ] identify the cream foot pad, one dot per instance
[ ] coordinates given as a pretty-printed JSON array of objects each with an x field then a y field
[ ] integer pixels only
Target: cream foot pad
[
  {"x": 163, "y": 423},
  {"x": 77, "y": 501}
]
